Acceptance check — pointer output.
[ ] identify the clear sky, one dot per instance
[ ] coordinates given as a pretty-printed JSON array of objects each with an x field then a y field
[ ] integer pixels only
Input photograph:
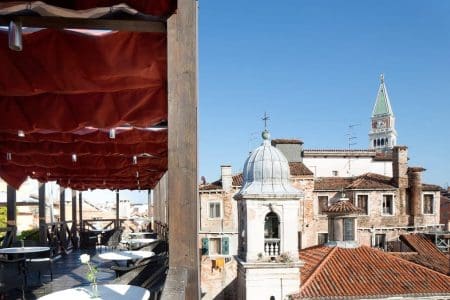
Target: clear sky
[{"x": 314, "y": 66}]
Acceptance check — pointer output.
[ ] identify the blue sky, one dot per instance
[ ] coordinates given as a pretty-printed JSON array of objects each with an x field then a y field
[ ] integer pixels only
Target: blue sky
[{"x": 314, "y": 67}]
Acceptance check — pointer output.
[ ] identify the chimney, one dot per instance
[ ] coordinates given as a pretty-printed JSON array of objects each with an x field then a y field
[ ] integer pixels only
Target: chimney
[
  {"x": 415, "y": 191},
  {"x": 226, "y": 177},
  {"x": 291, "y": 148},
  {"x": 400, "y": 166}
]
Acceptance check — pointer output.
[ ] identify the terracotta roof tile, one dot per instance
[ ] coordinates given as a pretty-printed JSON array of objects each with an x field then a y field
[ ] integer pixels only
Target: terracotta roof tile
[
  {"x": 365, "y": 272},
  {"x": 343, "y": 207},
  {"x": 430, "y": 187},
  {"x": 371, "y": 181},
  {"x": 237, "y": 180},
  {"x": 362, "y": 182},
  {"x": 332, "y": 183},
  {"x": 428, "y": 254},
  {"x": 299, "y": 169}
]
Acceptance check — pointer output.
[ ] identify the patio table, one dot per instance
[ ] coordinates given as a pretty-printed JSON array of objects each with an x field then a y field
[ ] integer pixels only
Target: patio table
[
  {"x": 125, "y": 255},
  {"x": 22, "y": 251},
  {"x": 107, "y": 291}
]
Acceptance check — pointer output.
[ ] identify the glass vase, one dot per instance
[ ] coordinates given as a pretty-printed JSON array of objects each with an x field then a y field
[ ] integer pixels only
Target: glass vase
[{"x": 94, "y": 290}]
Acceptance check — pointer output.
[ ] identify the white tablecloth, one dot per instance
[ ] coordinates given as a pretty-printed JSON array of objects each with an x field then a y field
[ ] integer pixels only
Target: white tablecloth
[
  {"x": 125, "y": 255},
  {"x": 23, "y": 250},
  {"x": 107, "y": 291}
]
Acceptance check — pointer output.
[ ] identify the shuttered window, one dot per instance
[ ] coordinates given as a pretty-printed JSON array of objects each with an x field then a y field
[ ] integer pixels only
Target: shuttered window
[{"x": 349, "y": 229}]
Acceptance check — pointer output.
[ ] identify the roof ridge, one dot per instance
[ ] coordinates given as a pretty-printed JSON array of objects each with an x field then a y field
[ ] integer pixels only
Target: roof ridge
[
  {"x": 412, "y": 264},
  {"x": 318, "y": 268}
]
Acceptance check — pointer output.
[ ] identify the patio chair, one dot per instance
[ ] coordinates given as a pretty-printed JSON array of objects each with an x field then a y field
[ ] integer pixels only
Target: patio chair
[
  {"x": 121, "y": 270},
  {"x": 144, "y": 275},
  {"x": 40, "y": 262},
  {"x": 114, "y": 240},
  {"x": 12, "y": 275}
]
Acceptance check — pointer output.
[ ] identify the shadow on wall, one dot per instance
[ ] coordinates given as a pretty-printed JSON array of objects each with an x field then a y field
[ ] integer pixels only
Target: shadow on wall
[{"x": 228, "y": 293}]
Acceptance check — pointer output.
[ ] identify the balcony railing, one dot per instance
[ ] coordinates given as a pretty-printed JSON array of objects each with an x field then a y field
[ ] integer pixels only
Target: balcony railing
[{"x": 272, "y": 247}]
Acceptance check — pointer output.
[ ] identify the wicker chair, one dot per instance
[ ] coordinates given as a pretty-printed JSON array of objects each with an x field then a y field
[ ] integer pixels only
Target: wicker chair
[
  {"x": 114, "y": 241},
  {"x": 40, "y": 262},
  {"x": 150, "y": 275},
  {"x": 12, "y": 275}
]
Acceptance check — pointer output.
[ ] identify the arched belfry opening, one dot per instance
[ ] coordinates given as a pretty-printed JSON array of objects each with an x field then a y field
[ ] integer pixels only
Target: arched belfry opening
[
  {"x": 272, "y": 234},
  {"x": 271, "y": 226}
]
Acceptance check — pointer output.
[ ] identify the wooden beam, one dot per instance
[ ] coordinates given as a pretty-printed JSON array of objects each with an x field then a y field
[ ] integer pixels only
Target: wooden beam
[
  {"x": 42, "y": 215},
  {"x": 11, "y": 212},
  {"x": 182, "y": 144},
  {"x": 81, "y": 23}
]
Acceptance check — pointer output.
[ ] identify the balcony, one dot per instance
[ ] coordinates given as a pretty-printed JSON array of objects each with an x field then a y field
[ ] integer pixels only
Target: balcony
[{"x": 271, "y": 247}]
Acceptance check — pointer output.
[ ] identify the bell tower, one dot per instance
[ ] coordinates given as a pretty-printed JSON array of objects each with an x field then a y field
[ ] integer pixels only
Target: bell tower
[
  {"x": 382, "y": 134},
  {"x": 268, "y": 213}
]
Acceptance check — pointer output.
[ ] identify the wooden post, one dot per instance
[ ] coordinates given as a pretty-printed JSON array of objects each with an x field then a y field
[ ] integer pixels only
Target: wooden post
[
  {"x": 42, "y": 213},
  {"x": 117, "y": 209},
  {"x": 182, "y": 144},
  {"x": 11, "y": 214},
  {"x": 80, "y": 210},
  {"x": 62, "y": 204},
  {"x": 62, "y": 216},
  {"x": 74, "y": 213}
]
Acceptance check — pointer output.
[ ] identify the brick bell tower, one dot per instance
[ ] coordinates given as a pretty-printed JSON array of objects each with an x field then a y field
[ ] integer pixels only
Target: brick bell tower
[{"x": 382, "y": 134}]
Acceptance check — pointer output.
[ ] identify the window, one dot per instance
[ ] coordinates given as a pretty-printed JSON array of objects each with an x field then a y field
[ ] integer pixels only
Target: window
[
  {"x": 323, "y": 204},
  {"x": 335, "y": 173},
  {"x": 362, "y": 203},
  {"x": 322, "y": 238},
  {"x": 216, "y": 246},
  {"x": 349, "y": 229},
  {"x": 428, "y": 204},
  {"x": 271, "y": 224},
  {"x": 388, "y": 205},
  {"x": 380, "y": 241},
  {"x": 214, "y": 210}
]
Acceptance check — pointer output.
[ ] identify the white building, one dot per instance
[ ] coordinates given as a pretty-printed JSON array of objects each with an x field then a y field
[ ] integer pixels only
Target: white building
[{"x": 268, "y": 213}]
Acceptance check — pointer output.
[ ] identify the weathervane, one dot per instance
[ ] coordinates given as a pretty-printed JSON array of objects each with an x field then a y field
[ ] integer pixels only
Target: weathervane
[{"x": 265, "y": 119}]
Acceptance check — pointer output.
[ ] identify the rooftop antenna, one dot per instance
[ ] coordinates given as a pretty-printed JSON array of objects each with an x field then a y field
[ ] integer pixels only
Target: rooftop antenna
[{"x": 351, "y": 142}]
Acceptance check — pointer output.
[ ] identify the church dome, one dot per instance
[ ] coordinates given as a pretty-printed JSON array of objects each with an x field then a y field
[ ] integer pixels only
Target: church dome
[{"x": 266, "y": 171}]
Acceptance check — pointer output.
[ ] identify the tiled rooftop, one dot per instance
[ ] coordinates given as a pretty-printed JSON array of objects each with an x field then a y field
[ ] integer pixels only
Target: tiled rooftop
[
  {"x": 427, "y": 254},
  {"x": 346, "y": 273},
  {"x": 296, "y": 169},
  {"x": 343, "y": 207},
  {"x": 365, "y": 181}
]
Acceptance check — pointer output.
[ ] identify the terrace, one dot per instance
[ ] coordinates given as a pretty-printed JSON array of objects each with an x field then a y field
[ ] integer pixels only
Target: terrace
[{"x": 95, "y": 95}]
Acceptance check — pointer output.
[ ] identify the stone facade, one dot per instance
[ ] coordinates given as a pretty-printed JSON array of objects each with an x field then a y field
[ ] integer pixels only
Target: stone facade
[{"x": 375, "y": 228}]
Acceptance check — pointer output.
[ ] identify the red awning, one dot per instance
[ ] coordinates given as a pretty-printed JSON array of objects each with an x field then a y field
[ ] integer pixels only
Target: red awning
[{"x": 87, "y": 111}]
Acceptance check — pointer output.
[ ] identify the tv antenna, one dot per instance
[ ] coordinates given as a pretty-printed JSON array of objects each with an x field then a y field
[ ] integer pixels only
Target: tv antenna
[{"x": 351, "y": 142}]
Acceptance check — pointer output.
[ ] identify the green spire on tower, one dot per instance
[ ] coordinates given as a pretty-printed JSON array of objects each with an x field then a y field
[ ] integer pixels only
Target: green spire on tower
[{"x": 382, "y": 103}]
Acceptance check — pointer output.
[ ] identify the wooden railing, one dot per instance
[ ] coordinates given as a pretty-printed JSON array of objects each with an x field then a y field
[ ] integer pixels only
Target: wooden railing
[{"x": 103, "y": 224}]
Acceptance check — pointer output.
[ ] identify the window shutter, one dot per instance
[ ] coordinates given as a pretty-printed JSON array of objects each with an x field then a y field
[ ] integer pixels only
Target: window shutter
[
  {"x": 225, "y": 245},
  {"x": 205, "y": 245}
]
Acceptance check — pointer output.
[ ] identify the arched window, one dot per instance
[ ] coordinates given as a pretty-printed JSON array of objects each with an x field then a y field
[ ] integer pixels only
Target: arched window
[
  {"x": 374, "y": 143},
  {"x": 387, "y": 144},
  {"x": 271, "y": 235},
  {"x": 378, "y": 142},
  {"x": 382, "y": 142},
  {"x": 271, "y": 226}
]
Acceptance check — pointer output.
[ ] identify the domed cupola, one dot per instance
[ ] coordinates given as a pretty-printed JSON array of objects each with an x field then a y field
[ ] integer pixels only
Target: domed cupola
[{"x": 266, "y": 172}]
